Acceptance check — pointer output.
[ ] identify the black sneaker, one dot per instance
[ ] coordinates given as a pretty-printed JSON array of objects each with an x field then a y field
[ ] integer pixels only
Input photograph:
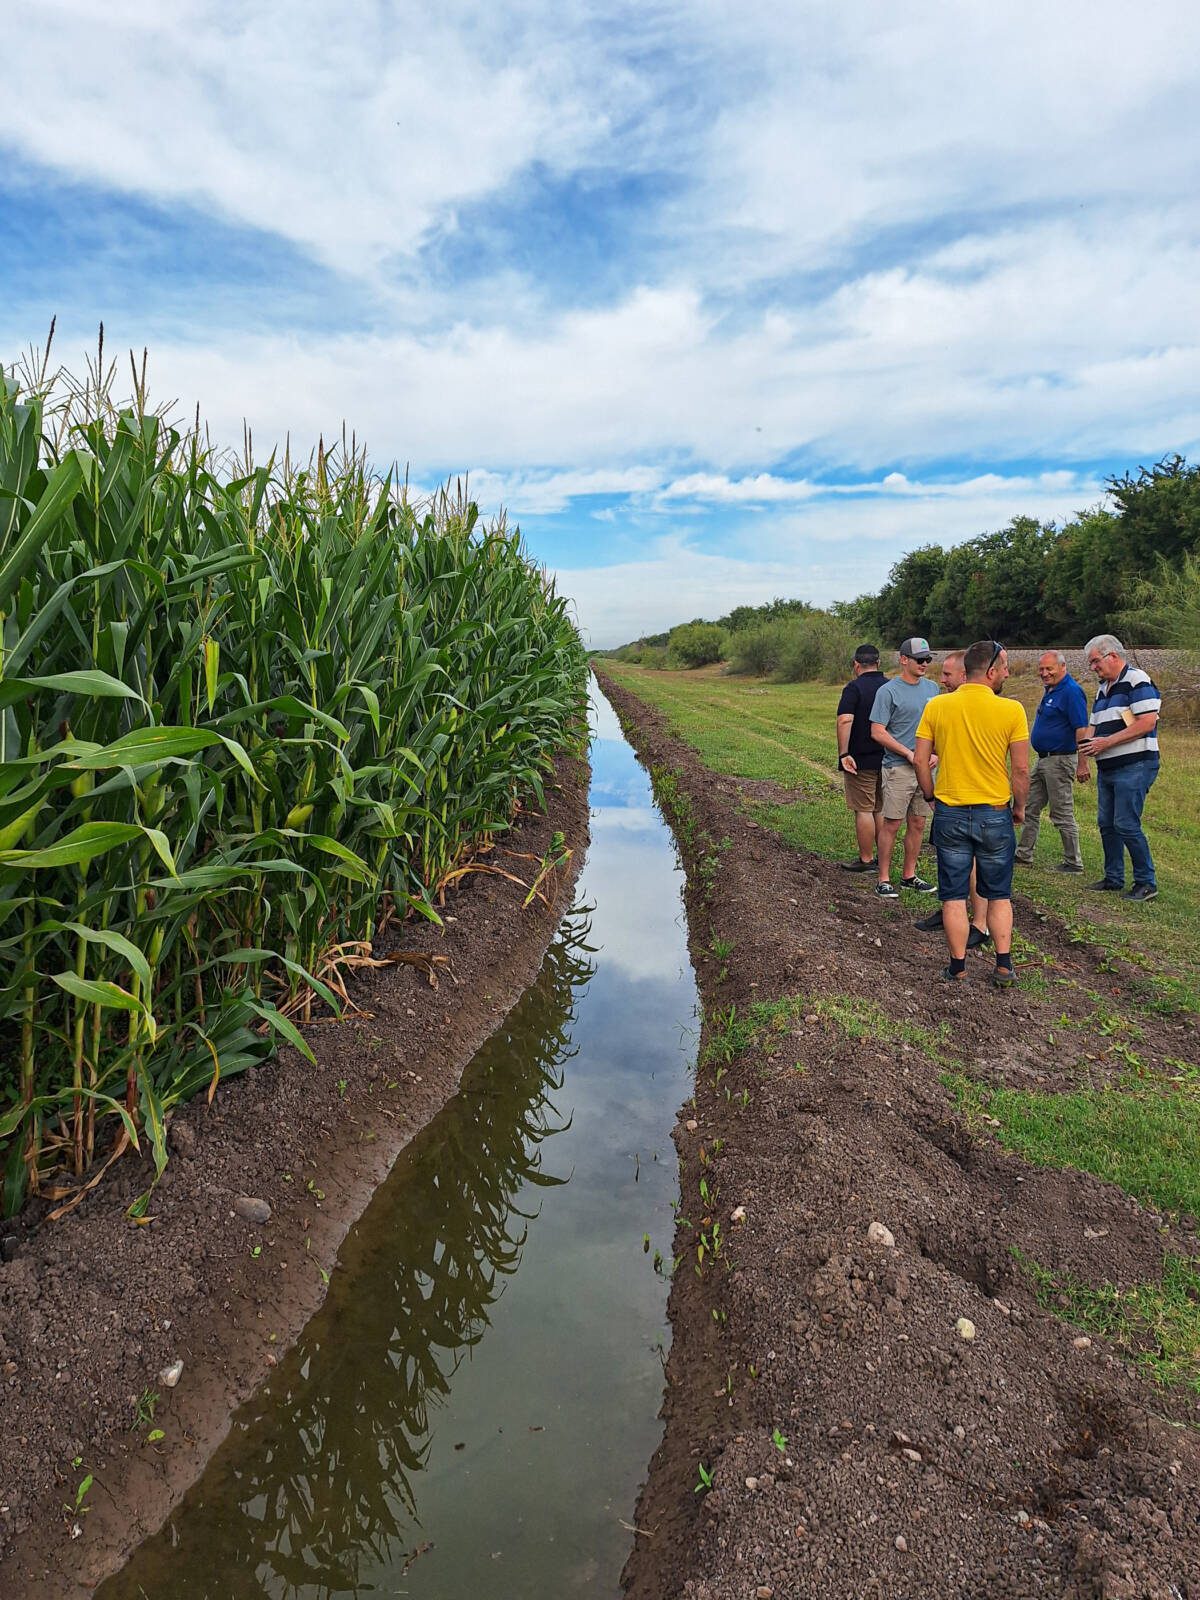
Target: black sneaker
[
  {"x": 978, "y": 939},
  {"x": 1069, "y": 866},
  {"x": 920, "y": 885},
  {"x": 859, "y": 865},
  {"x": 1004, "y": 978},
  {"x": 885, "y": 891},
  {"x": 930, "y": 924},
  {"x": 1023, "y": 861},
  {"x": 1142, "y": 891},
  {"x": 949, "y": 974},
  {"x": 1107, "y": 888}
]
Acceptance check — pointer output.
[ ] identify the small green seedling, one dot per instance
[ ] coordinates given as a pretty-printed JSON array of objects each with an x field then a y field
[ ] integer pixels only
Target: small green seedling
[
  {"x": 155, "y": 1435},
  {"x": 705, "y": 1484},
  {"x": 779, "y": 1440}
]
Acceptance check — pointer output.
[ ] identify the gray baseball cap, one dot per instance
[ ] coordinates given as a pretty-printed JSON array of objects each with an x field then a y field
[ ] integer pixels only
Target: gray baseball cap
[{"x": 917, "y": 650}]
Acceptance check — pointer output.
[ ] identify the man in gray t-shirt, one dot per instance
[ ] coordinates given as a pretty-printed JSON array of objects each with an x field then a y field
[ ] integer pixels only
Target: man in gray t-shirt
[{"x": 894, "y": 717}]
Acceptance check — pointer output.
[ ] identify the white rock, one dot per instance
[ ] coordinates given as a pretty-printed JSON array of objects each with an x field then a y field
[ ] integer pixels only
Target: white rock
[
  {"x": 170, "y": 1376},
  {"x": 965, "y": 1328},
  {"x": 738, "y": 1214},
  {"x": 1082, "y": 1343},
  {"x": 752, "y": 1484},
  {"x": 878, "y": 1234},
  {"x": 691, "y": 1124},
  {"x": 901, "y": 1542}
]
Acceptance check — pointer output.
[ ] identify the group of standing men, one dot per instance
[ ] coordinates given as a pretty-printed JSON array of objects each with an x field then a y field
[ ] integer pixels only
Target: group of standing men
[{"x": 907, "y": 751}]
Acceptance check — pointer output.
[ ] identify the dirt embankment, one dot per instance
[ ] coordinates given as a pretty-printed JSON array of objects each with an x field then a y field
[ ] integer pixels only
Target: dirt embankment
[
  {"x": 93, "y": 1309},
  {"x": 857, "y": 1442}
]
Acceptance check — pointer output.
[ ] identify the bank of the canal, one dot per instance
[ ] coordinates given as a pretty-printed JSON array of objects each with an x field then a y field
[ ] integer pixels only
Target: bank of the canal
[
  {"x": 865, "y": 1396},
  {"x": 472, "y": 1409},
  {"x": 92, "y": 1309}
]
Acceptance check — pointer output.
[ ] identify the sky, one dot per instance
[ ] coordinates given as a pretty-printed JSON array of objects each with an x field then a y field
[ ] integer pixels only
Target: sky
[{"x": 721, "y": 302}]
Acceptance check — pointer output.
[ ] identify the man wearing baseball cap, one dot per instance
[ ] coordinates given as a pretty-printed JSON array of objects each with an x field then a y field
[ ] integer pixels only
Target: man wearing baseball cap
[{"x": 895, "y": 713}]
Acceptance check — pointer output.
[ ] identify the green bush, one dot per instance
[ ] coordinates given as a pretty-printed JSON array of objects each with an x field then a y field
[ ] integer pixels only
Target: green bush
[
  {"x": 758, "y": 651},
  {"x": 696, "y": 644},
  {"x": 817, "y": 648}
]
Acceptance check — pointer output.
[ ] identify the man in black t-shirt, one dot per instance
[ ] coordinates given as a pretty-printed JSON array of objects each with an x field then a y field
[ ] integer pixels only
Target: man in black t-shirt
[{"x": 860, "y": 759}]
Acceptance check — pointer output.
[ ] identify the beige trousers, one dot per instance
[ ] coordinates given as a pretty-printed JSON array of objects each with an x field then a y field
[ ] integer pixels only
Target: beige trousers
[{"x": 1052, "y": 784}]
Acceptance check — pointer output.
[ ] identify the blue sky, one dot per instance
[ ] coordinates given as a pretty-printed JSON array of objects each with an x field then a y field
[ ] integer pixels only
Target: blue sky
[{"x": 721, "y": 303}]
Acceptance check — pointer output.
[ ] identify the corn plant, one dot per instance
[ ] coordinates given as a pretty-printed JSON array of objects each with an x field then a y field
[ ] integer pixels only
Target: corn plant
[{"x": 245, "y": 713}]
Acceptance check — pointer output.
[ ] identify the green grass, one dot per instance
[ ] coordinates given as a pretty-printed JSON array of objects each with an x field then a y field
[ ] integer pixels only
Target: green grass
[
  {"x": 1143, "y": 1135},
  {"x": 746, "y": 728},
  {"x": 1156, "y": 1324}
]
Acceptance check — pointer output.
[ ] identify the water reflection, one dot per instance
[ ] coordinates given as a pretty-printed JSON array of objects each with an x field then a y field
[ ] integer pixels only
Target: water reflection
[{"x": 323, "y": 1475}]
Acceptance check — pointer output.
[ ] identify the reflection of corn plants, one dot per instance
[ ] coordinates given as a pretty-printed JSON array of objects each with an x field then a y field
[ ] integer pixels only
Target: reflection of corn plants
[
  {"x": 324, "y": 1477},
  {"x": 243, "y": 715}
]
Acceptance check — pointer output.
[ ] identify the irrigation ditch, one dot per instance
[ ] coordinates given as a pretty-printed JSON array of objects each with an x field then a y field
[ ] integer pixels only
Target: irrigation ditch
[
  {"x": 94, "y": 1309},
  {"x": 877, "y": 1384}
]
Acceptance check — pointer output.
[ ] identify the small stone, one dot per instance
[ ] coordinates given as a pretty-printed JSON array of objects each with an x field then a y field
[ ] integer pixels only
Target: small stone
[
  {"x": 959, "y": 1431},
  {"x": 691, "y": 1124},
  {"x": 965, "y": 1328},
  {"x": 764, "y": 1592},
  {"x": 1022, "y": 1517},
  {"x": 251, "y": 1210},
  {"x": 738, "y": 1214},
  {"x": 9, "y": 1246},
  {"x": 878, "y": 1234},
  {"x": 901, "y": 1542},
  {"x": 910, "y": 1454},
  {"x": 812, "y": 1017},
  {"x": 1082, "y": 1343},
  {"x": 170, "y": 1376},
  {"x": 752, "y": 1484},
  {"x": 182, "y": 1139}
]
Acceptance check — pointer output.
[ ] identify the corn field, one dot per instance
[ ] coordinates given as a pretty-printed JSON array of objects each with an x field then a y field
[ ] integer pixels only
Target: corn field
[{"x": 245, "y": 714}]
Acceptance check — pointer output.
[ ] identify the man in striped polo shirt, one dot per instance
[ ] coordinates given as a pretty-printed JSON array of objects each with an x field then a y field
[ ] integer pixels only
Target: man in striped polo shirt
[{"x": 1123, "y": 742}]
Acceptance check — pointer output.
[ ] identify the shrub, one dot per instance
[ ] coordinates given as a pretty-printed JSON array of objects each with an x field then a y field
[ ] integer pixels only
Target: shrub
[{"x": 696, "y": 644}]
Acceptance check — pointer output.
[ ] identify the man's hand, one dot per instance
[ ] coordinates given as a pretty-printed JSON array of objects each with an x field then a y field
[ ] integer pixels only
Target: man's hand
[
  {"x": 1082, "y": 772},
  {"x": 1093, "y": 747},
  {"x": 1018, "y": 813},
  {"x": 848, "y": 764}
]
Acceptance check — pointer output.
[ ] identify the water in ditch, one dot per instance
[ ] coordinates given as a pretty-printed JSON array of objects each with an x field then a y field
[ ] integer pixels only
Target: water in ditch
[{"x": 474, "y": 1406}]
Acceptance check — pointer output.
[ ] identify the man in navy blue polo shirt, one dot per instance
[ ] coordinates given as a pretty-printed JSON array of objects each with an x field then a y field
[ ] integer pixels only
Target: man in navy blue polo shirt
[
  {"x": 1060, "y": 724},
  {"x": 1124, "y": 744}
]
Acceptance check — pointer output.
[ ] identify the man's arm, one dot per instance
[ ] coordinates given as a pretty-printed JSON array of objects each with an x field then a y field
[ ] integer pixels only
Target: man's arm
[
  {"x": 1081, "y": 766},
  {"x": 923, "y": 762},
  {"x": 881, "y": 736},
  {"x": 1018, "y": 762},
  {"x": 846, "y": 762},
  {"x": 1137, "y": 729}
]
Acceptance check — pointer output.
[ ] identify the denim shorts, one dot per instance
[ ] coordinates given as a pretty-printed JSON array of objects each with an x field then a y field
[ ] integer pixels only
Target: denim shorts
[{"x": 979, "y": 835}]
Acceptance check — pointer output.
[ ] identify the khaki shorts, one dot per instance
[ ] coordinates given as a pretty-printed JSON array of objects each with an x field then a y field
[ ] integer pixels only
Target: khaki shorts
[
  {"x": 901, "y": 797},
  {"x": 864, "y": 790}
]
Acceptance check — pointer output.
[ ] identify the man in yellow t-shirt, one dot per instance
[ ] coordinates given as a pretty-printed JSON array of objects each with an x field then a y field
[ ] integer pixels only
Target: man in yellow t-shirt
[{"x": 982, "y": 747}]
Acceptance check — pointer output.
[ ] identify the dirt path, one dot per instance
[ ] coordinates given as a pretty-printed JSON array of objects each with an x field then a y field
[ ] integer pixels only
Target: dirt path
[
  {"x": 857, "y": 1443},
  {"x": 93, "y": 1309}
]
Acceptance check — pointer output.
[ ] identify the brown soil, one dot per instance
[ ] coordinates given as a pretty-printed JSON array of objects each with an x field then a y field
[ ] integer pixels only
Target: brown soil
[
  {"x": 93, "y": 1308},
  {"x": 1027, "y": 1461}
]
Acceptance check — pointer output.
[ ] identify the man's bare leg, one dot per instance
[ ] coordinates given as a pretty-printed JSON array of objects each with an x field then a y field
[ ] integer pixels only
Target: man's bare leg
[
  {"x": 913, "y": 835},
  {"x": 1000, "y": 925},
  {"x": 887, "y": 844},
  {"x": 864, "y": 829},
  {"x": 956, "y": 924}
]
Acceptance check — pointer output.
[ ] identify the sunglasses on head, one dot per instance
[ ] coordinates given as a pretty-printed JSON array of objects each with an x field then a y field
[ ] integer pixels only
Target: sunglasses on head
[{"x": 996, "y": 649}]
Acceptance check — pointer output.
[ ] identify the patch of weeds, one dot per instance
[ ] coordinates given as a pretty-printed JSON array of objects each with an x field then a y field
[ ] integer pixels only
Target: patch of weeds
[
  {"x": 1157, "y": 1325},
  {"x": 722, "y": 949},
  {"x": 732, "y": 1032},
  {"x": 143, "y": 1409},
  {"x": 1143, "y": 1135},
  {"x": 859, "y": 1018}
]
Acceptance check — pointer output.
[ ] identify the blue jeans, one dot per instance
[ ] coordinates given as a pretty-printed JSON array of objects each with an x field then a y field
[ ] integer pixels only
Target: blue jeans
[
  {"x": 974, "y": 835},
  {"x": 1120, "y": 796}
]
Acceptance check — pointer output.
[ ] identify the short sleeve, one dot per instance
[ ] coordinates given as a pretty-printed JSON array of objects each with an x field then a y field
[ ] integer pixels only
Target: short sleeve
[
  {"x": 1079, "y": 707},
  {"x": 1144, "y": 697},
  {"x": 1020, "y": 724},
  {"x": 848, "y": 704},
  {"x": 881, "y": 706},
  {"x": 925, "y": 726}
]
